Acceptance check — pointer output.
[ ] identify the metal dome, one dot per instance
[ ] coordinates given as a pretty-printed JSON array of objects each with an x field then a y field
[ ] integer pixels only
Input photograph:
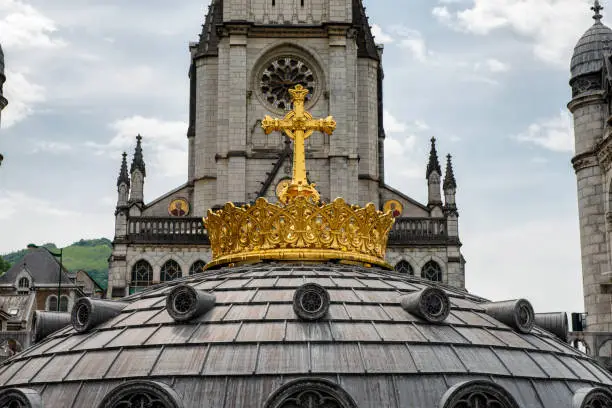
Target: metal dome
[
  {"x": 589, "y": 51},
  {"x": 251, "y": 347}
]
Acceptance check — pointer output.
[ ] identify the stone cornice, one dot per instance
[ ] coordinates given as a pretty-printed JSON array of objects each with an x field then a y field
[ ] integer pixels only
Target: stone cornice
[
  {"x": 604, "y": 153},
  {"x": 584, "y": 160},
  {"x": 588, "y": 98}
]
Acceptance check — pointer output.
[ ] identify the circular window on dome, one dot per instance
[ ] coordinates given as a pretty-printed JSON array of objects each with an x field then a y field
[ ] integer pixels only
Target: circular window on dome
[
  {"x": 282, "y": 73},
  {"x": 592, "y": 398},
  {"x": 311, "y": 301}
]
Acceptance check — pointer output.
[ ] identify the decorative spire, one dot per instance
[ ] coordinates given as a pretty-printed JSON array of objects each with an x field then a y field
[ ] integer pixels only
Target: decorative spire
[
  {"x": 138, "y": 162},
  {"x": 433, "y": 164},
  {"x": 449, "y": 178},
  {"x": 597, "y": 8},
  {"x": 123, "y": 173}
]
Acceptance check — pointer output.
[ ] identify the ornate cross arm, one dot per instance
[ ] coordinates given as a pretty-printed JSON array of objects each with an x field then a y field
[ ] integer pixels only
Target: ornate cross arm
[
  {"x": 298, "y": 125},
  {"x": 327, "y": 125}
]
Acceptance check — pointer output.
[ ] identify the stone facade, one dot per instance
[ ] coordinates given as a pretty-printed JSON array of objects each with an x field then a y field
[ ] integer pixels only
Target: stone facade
[
  {"x": 591, "y": 107},
  {"x": 244, "y": 47}
]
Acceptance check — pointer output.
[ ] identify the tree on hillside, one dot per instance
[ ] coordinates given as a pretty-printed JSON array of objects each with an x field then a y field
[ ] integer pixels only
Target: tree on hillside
[{"x": 4, "y": 265}]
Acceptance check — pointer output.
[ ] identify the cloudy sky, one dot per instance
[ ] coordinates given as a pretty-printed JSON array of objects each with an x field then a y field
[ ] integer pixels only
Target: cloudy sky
[{"x": 487, "y": 78}]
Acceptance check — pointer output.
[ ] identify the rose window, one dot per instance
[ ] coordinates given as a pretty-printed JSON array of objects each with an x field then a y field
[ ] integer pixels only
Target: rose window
[{"x": 282, "y": 74}]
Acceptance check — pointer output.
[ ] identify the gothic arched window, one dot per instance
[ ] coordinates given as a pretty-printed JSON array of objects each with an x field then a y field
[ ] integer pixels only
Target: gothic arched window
[
  {"x": 64, "y": 303},
  {"x": 171, "y": 270},
  {"x": 141, "y": 394},
  {"x": 310, "y": 392},
  {"x": 142, "y": 274},
  {"x": 404, "y": 267},
  {"x": 52, "y": 303},
  {"x": 197, "y": 267},
  {"x": 477, "y": 394},
  {"x": 432, "y": 271}
]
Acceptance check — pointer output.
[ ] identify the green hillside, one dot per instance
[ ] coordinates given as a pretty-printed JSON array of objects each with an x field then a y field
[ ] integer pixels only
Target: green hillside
[{"x": 90, "y": 255}]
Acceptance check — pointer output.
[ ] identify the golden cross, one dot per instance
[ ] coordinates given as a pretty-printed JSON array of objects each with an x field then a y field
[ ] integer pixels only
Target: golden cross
[{"x": 298, "y": 125}]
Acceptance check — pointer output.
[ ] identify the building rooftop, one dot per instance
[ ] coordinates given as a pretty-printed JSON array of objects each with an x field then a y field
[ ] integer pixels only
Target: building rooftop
[{"x": 252, "y": 342}]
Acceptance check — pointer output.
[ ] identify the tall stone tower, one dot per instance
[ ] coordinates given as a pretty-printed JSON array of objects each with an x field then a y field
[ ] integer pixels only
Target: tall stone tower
[
  {"x": 591, "y": 82},
  {"x": 249, "y": 54},
  {"x": 3, "y": 101}
]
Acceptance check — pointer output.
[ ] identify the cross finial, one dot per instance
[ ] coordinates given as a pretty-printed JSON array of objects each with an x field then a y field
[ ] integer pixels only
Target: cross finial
[
  {"x": 597, "y": 7},
  {"x": 298, "y": 125}
]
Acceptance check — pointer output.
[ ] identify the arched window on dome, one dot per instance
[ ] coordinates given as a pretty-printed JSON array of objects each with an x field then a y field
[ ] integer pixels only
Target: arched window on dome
[
  {"x": 432, "y": 271},
  {"x": 20, "y": 398},
  {"x": 171, "y": 270},
  {"x": 142, "y": 276},
  {"x": 311, "y": 392},
  {"x": 482, "y": 394},
  {"x": 51, "y": 303},
  {"x": 64, "y": 303},
  {"x": 404, "y": 267},
  {"x": 142, "y": 393},
  {"x": 197, "y": 267}
]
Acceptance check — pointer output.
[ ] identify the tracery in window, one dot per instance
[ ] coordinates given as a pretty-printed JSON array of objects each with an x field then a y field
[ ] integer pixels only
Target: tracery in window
[
  {"x": 170, "y": 270},
  {"x": 197, "y": 267},
  {"x": 20, "y": 398},
  {"x": 478, "y": 394},
  {"x": 142, "y": 394},
  {"x": 404, "y": 267},
  {"x": 432, "y": 271},
  {"x": 142, "y": 274},
  {"x": 308, "y": 393}
]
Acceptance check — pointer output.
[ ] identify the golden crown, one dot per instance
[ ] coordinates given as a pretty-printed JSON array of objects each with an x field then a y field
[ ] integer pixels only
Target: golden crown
[{"x": 299, "y": 228}]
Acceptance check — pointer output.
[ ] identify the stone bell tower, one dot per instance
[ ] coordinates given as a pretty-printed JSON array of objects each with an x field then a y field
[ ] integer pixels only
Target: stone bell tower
[
  {"x": 250, "y": 53},
  {"x": 591, "y": 107}
]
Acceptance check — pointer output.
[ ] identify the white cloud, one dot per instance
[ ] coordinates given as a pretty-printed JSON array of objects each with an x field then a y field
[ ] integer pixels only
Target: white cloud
[
  {"x": 551, "y": 26},
  {"x": 414, "y": 42},
  {"x": 535, "y": 257},
  {"x": 23, "y": 95},
  {"x": 442, "y": 14},
  {"x": 23, "y": 26},
  {"x": 52, "y": 221},
  {"x": 380, "y": 36},
  {"x": 45, "y": 146},
  {"x": 556, "y": 133},
  {"x": 164, "y": 142},
  {"x": 495, "y": 66},
  {"x": 18, "y": 202},
  {"x": 392, "y": 125}
]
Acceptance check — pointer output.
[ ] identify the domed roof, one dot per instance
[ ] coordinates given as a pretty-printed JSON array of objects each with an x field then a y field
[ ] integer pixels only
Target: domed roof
[
  {"x": 589, "y": 52},
  {"x": 252, "y": 350}
]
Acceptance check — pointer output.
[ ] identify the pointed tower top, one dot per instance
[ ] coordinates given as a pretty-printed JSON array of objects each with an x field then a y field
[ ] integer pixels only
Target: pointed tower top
[
  {"x": 597, "y": 7},
  {"x": 433, "y": 164},
  {"x": 449, "y": 177},
  {"x": 138, "y": 162},
  {"x": 123, "y": 173}
]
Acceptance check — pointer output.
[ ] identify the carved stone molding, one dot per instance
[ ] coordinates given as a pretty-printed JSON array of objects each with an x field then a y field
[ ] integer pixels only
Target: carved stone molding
[
  {"x": 604, "y": 153},
  {"x": 584, "y": 160}
]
